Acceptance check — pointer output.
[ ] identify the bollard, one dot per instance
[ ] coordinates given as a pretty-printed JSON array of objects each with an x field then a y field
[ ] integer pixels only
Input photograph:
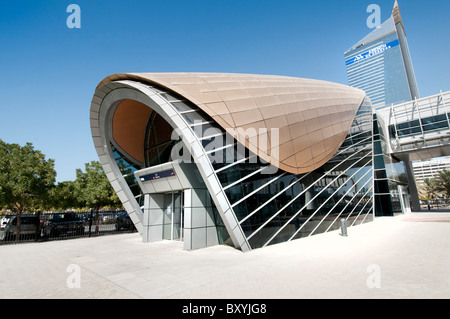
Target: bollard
[
  {"x": 37, "y": 233},
  {"x": 90, "y": 221},
  {"x": 344, "y": 227}
]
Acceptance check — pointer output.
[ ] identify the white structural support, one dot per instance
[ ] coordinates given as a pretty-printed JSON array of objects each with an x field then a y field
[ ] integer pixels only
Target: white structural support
[{"x": 103, "y": 106}]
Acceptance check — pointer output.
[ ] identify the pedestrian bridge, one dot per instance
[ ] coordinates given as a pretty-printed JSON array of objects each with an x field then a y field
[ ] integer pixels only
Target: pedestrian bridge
[{"x": 417, "y": 130}]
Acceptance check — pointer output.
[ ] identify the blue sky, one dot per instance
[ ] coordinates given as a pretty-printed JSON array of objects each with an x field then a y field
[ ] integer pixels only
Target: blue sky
[{"x": 49, "y": 72}]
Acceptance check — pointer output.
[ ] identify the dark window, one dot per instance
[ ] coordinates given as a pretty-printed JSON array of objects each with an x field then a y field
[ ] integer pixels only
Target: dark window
[{"x": 158, "y": 141}]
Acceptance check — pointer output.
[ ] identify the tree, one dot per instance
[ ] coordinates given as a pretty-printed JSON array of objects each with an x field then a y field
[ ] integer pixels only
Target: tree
[
  {"x": 25, "y": 178},
  {"x": 94, "y": 190},
  {"x": 64, "y": 196},
  {"x": 442, "y": 182},
  {"x": 428, "y": 189}
]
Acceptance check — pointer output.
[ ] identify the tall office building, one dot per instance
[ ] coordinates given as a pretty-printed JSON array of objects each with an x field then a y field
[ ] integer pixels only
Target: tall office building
[
  {"x": 380, "y": 64},
  {"x": 430, "y": 169}
]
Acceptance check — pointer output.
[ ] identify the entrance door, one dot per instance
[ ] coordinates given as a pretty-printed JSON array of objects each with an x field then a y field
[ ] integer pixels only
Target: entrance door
[
  {"x": 173, "y": 216},
  {"x": 404, "y": 199}
]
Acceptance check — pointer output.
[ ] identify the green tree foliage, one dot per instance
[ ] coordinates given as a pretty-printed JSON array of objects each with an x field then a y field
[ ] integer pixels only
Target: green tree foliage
[
  {"x": 25, "y": 178},
  {"x": 436, "y": 187},
  {"x": 93, "y": 189},
  {"x": 428, "y": 189},
  {"x": 90, "y": 190},
  {"x": 27, "y": 183},
  {"x": 442, "y": 182},
  {"x": 63, "y": 196}
]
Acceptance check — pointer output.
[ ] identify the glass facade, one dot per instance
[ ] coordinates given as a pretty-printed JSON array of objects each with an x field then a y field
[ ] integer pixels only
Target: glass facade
[
  {"x": 380, "y": 64},
  {"x": 434, "y": 123},
  {"x": 390, "y": 173},
  {"x": 282, "y": 206},
  {"x": 158, "y": 141},
  {"x": 127, "y": 169},
  {"x": 410, "y": 131}
]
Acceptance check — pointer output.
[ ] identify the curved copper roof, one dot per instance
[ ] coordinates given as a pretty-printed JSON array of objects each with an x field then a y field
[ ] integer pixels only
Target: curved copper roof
[{"x": 313, "y": 117}]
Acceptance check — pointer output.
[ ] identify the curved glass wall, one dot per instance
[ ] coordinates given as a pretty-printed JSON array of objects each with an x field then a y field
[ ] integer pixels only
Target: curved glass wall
[{"x": 282, "y": 206}]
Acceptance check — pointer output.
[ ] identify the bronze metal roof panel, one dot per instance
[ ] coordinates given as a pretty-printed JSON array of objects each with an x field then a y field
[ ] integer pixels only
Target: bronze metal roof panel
[{"x": 313, "y": 117}]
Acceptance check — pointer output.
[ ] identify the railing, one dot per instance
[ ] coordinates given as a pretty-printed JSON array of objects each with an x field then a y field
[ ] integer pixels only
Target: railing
[
  {"x": 40, "y": 227},
  {"x": 425, "y": 121}
]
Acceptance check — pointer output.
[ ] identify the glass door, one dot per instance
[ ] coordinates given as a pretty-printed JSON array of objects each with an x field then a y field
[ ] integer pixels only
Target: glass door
[{"x": 173, "y": 216}]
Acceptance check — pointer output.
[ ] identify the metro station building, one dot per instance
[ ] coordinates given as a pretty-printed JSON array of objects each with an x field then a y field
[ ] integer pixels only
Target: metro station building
[{"x": 244, "y": 160}]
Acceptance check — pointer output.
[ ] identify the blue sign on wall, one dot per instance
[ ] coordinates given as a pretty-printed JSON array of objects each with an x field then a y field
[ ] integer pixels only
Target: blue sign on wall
[{"x": 372, "y": 52}]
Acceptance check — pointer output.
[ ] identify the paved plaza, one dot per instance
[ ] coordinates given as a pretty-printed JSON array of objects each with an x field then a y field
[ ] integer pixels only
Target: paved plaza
[{"x": 406, "y": 256}]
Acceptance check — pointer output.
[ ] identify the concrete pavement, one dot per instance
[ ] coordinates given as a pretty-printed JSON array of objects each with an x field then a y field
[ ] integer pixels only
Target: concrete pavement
[{"x": 407, "y": 256}]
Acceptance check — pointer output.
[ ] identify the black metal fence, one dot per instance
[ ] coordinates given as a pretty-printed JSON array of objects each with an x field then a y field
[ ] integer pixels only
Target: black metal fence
[{"x": 40, "y": 227}]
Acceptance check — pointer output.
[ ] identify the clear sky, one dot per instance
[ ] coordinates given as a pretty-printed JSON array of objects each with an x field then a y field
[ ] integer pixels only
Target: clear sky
[{"x": 48, "y": 72}]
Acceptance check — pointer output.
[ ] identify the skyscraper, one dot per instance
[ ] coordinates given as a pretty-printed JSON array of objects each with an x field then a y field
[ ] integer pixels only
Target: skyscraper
[{"x": 380, "y": 64}]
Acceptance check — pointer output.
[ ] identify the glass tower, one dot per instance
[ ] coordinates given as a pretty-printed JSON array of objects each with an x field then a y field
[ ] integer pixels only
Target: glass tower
[{"x": 380, "y": 64}]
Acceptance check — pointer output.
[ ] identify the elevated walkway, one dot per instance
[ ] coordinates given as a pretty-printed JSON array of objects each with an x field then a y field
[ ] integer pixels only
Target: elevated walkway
[{"x": 417, "y": 130}]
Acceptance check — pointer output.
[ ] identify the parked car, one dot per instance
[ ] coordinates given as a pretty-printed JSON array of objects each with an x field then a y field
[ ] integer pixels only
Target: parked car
[
  {"x": 87, "y": 218},
  {"x": 123, "y": 221},
  {"x": 64, "y": 224},
  {"x": 107, "y": 218},
  {"x": 28, "y": 227},
  {"x": 4, "y": 221}
]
